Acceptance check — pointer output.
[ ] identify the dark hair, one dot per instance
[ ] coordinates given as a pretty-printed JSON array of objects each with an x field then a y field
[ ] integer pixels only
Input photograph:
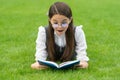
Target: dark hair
[{"x": 62, "y": 9}]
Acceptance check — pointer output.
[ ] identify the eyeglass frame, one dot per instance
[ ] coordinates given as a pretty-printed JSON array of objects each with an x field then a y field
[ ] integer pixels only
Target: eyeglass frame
[{"x": 62, "y": 24}]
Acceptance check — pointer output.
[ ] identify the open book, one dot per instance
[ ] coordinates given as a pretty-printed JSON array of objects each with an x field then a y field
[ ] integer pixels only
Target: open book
[{"x": 63, "y": 65}]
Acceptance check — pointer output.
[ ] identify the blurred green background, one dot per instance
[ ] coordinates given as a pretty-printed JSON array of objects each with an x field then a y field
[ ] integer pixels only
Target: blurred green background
[{"x": 19, "y": 22}]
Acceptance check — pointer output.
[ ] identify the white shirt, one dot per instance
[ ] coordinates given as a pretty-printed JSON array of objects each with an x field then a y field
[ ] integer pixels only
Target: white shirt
[{"x": 80, "y": 48}]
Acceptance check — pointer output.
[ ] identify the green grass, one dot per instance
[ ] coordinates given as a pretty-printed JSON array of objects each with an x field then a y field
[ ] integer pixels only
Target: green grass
[{"x": 19, "y": 22}]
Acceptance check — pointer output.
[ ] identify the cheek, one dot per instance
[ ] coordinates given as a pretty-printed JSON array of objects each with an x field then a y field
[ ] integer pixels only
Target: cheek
[
  {"x": 54, "y": 28},
  {"x": 66, "y": 29}
]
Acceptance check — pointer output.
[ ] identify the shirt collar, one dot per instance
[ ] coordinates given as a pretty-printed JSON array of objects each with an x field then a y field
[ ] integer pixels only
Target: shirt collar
[{"x": 63, "y": 35}]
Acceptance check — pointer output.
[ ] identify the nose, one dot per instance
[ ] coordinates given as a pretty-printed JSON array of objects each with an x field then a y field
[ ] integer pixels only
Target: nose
[{"x": 59, "y": 25}]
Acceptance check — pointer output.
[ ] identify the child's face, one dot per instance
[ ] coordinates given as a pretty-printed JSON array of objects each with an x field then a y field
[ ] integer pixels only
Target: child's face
[{"x": 60, "y": 23}]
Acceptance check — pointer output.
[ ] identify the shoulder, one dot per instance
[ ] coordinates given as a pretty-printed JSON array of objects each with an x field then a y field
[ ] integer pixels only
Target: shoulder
[
  {"x": 79, "y": 33},
  {"x": 41, "y": 37},
  {"x": 41, "y": 31},
  {"x": 78, "y": 29}
]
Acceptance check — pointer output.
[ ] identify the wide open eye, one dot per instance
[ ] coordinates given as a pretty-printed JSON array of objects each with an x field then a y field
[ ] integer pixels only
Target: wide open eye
[
  {"x": 64, "y": 24},
  {"x": 55, "y": 25}
]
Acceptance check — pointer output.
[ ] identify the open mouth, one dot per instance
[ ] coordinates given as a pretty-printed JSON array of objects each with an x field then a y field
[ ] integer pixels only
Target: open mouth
[{"x": 60, "y": 30}]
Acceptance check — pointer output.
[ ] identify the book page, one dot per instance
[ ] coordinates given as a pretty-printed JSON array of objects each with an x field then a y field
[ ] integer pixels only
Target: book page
[{"x": 69, "y": 63}]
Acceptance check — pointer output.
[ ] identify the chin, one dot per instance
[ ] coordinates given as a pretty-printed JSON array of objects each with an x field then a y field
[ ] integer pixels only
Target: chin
[{"x": 59, "y": 33}]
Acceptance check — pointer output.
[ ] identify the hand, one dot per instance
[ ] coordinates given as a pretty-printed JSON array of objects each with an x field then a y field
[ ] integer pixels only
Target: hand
[
  {"x": 83, "y": 64},
  {"x": 37, "y": 66}
]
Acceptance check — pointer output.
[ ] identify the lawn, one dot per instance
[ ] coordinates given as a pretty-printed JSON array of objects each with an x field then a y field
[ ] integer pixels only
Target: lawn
[{"x": 19, "y": 22}]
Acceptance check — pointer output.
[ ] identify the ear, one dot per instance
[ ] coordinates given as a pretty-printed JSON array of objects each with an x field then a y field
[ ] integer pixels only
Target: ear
[
  {"x": 71, "y": 19},
  {"x": 48, "y": 19}
]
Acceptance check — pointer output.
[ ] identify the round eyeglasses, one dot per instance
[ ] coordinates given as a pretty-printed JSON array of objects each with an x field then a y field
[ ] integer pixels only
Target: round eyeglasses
[{"x": 55, "y": 25}]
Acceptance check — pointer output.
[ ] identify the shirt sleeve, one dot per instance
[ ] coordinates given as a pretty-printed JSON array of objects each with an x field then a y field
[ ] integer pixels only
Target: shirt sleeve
[
  {"x": 81, "y": 45},
  {"x": 41, "y": 53}
]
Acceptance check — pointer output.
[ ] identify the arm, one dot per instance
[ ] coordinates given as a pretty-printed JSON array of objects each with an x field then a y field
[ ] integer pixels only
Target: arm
[
  {"x": 81, "y": 47},
  {"x": 41, "y": 53}
]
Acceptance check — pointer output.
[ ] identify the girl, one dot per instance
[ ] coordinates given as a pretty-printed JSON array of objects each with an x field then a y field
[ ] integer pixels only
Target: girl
[{"x": 60, "y": 41}]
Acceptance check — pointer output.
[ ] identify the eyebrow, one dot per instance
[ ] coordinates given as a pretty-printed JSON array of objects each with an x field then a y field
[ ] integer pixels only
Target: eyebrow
[
  {"x": 62, "y": 20},
  {"x": 65, "y": 20}
]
